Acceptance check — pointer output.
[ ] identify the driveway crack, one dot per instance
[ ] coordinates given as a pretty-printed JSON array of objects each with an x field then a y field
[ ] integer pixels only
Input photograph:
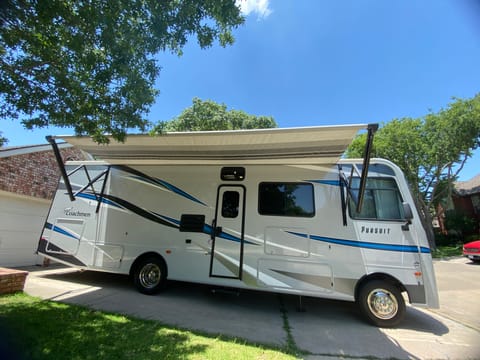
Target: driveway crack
[{"x": 291, "y": 345}]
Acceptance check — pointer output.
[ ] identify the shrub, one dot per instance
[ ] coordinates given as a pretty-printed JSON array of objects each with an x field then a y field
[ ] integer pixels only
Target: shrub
[
  {"x": 473, "y": 237},
  {"x": 450, "y": 239},
  {"x": 459, "y": 224}
]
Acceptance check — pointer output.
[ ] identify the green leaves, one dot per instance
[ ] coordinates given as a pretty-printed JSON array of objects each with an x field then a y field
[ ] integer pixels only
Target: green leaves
[
  {"x": 430, "y": 150},
  {"x": 209, "y": 115},
  {"x": 3, "y": 140},
  {"x": 91, "y": 65}
]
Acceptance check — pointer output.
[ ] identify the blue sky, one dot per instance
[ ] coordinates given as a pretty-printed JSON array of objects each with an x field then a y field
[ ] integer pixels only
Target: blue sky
[{"x": 318, "y": 62}]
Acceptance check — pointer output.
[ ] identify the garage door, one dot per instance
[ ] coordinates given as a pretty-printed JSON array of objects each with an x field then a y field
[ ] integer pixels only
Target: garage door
[{"x": 21, "y": 223}]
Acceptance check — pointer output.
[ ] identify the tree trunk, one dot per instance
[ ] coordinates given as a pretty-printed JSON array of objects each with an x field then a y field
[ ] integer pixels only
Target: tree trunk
[
  {"x": 428, "y": 226},
  {"x": 426, "y": 220}
]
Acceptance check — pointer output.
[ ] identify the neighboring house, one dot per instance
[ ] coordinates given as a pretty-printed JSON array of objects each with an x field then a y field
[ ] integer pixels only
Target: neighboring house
[
  {"x": 466, "y": 198},
  {"x": 28, "y": 179}
]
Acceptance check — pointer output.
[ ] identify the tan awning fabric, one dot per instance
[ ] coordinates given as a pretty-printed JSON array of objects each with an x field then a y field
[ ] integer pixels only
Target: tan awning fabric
[{"x": 319, "y": 144}]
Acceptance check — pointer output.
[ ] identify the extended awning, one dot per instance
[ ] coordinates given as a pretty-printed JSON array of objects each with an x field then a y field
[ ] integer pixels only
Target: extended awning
[
  {"x": 306, "y": 145},
  {"x": 319, "y": 144}
]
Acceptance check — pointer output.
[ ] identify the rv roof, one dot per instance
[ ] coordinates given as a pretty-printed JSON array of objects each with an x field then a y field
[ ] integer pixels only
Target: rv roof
[{"x": 319, "y": 144}]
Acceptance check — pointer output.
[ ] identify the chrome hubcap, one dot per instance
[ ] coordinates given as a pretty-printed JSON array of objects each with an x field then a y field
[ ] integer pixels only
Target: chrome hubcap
[
  {"x": 150, "y": 275},
  {"x": 382, "y": 304}
]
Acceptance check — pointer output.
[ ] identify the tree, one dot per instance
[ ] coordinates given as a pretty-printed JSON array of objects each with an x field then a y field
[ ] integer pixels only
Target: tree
[
  {"x": 3, "y": 140},
  {"x": 431, "y": 150},
  {"x": 209, "y": 115},
  {"x": 91, "y": 64}
]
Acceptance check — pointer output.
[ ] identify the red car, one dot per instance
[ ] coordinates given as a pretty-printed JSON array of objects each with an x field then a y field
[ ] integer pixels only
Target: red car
[{"x": 472, "y": 250}]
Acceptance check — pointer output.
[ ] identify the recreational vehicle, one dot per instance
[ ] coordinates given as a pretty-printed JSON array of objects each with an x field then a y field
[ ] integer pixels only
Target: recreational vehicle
[{"x": 273, "y": 210}]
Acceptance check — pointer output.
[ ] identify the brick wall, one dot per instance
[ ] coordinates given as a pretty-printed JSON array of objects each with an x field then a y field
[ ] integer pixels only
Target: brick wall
[
  {"x": 34, "y": 174},
  {"x": 12, "y": 280}
]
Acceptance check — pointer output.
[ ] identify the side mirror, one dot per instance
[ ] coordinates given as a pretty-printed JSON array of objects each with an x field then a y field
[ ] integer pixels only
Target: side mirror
[
  {"x": 407, "y": 211},
  {"x": 408, "y": 214}
]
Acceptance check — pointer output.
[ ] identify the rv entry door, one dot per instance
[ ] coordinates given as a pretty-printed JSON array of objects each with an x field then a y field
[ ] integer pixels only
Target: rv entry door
[{"x": 227, "y": 233}]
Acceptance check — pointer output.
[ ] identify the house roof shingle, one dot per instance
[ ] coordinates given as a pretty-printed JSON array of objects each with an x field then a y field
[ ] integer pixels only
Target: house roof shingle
[{"x": 468, "y": 187}]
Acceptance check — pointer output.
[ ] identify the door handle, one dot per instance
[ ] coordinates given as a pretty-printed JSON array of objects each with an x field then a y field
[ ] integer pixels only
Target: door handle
[{"x": 214, "y": 230}]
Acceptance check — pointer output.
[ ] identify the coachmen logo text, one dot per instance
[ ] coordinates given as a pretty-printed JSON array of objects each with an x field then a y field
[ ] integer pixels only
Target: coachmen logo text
[{"x": 72, "y": 212}]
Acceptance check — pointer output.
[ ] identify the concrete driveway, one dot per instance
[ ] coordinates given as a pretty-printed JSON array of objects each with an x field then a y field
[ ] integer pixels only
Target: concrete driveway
[{"x": 325, "y": 329}]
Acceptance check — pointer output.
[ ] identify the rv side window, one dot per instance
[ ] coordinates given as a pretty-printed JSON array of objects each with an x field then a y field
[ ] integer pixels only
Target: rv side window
[
  {"x": 286, "y": 199},
  {"x": 382, "y": 200},
  {"x": 230, "y": 204}
]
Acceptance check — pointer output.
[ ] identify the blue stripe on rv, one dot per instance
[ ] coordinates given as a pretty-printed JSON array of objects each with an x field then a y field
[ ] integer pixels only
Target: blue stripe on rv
[
  {"x": 207, "y": 229},
  {"x": 326, "y": 182},
  {"x": 168, "y": 186},
  {"x": 179, "y": 191},
  {"x": 61, "y": 231},
  {"x": 93, "y": 197},
  {"x": 365, "y": 244}
]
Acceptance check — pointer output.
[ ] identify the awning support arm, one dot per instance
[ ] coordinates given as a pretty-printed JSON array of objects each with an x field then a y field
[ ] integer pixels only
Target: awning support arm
[
  {"x": 61, "y": 166},
  {"x": 372, "y": 128},
  {"x": 343, "y": 184}
]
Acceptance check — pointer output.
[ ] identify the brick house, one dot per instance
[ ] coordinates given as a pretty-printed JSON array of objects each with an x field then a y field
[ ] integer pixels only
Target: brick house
[
  {"x": 28, "y": 179},
  {"x": 466, "y": 198}
]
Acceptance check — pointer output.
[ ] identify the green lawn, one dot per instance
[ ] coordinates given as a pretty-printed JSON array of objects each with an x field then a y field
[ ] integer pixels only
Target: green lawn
[
  {"x": 31, "y": 328},
  {"x": 447, "y": 251}
]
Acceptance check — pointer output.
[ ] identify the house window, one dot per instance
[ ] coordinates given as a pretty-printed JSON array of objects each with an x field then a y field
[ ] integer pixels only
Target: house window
[
  {"x": 382, "y": 200},
  {"x": 286, "y": 199}
]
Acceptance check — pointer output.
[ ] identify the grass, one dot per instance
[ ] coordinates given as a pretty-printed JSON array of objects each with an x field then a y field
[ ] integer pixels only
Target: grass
[
  {"x": 447, "y": 251},
  {"x": 32, "y": 328}
]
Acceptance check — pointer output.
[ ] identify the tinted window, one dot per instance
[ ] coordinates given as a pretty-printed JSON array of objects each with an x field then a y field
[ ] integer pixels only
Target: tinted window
[
  {"x": 382, "y": 200},
  {"x": 230, "y": 203},
  {"x": 286, "y": 199}
]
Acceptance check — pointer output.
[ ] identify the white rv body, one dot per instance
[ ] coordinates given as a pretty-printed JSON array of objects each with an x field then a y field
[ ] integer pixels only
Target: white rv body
[{"x": 289, "y": 228}]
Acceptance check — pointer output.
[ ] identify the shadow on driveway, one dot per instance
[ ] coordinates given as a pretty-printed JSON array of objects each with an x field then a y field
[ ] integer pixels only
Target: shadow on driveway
[{"x": 327, "y": 327}]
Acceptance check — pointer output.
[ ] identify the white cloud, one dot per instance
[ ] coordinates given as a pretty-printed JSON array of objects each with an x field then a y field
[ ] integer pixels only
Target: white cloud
[{"x": 260, "y": 7}]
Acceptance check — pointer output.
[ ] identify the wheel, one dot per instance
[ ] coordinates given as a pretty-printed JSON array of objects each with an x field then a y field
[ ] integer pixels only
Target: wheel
[
  {"x": 381, "y": 303},
  {"x": 150, "y": 275}
]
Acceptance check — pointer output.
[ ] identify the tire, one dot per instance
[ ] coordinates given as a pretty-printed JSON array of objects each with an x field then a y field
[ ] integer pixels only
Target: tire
[
  {"x": 381, "y": 303},
  {"x": 150, "y": 275}
]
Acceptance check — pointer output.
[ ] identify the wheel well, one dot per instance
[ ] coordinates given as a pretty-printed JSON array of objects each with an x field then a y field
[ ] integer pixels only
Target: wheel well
[
  {"x": 378, "y": 276},
  {"x": 145, "y": 255}
]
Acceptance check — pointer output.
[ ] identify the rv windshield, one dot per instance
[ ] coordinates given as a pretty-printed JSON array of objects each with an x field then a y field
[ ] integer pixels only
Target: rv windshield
[{"x": 382, "y": 200}]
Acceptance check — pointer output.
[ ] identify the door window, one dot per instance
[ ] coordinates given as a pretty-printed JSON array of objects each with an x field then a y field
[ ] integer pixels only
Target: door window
[{"x": 230, "y": 204}]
